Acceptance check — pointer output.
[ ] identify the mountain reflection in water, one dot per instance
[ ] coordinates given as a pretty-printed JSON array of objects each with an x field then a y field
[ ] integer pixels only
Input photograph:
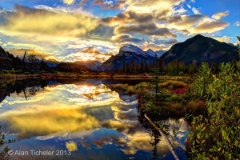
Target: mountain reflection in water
[{"x": 87, "y": 118}]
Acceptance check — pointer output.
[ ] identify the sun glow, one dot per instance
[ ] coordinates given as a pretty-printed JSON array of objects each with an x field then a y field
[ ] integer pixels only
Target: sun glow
[
  {"x": 87, "y": 89},
  {"x": 86, "y": 57}
]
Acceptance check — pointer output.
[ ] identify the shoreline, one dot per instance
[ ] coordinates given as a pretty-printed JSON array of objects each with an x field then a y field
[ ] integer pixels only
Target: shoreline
[{"x": 62, "y": 75}]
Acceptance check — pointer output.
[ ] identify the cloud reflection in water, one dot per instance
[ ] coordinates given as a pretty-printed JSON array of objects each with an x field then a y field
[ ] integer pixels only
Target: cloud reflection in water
[{"x": 82, "y": 116}]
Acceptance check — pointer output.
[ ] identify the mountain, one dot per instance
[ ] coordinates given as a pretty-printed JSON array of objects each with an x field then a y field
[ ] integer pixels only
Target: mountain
[
  {"x": 52, "y": 62},
  {"x": 3, "y": 54},
  {"x": 5, "y": 60},
  {"x": 71, "y": 67},
  {"x": 201, "y": 49},
  {"x": 152, "y": 53},
  {"x": 160, "y": 53},
  {"x": 134, "y": 50},
  {"x": 128, "y": 54},
  {"x": 84, "y": 65},
  {"x": 92, "y": 65}
]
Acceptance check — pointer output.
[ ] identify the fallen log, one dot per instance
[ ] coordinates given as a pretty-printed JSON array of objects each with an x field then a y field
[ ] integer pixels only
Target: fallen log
[{"x": 170, "y": 146}]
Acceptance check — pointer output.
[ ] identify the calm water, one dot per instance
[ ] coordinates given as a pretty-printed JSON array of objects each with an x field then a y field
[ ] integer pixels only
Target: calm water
[{"x": 82, "y": 120}]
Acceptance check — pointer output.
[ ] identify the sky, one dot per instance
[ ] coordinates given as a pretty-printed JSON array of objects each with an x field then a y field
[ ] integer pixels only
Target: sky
[{"x": 75, "y": 30}]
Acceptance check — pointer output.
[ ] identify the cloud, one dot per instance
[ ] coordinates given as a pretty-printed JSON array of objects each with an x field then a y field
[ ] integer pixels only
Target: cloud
[
  {"x": 179, "y": 11},
  {"x": 209, "y": 27},
  {"x": 20, "y": 53},
  {"x": 185, "y": 22},
  {"x": 153, "y": 46},
  {"x": 237, "y": 23},
  {"x": 125, "y": 38},
  {"x": 59, "y": 48},
  {"x": 83, "y": 2},
  {"x": 3, "y": 15},
  {"x": 102, "y": 32},
  {"x": 71, "y": 146},
  {"x": 189, "y": 6},
  {"x": 22, "y": 45},
  {"x": 41, "y": 21},
  {"x": 129, "y": 16},
  {"x": 147, "y": 29},
  {"x": 223, "y": 39},
  {"x": 195, "y": 24},
  {"x": 219, "y": 15},
  {"x": 90, "y": 53},
  {"x": 65, "y": 31},
  {"x": 153, "y": 4},
  {"x": 108, "y": 4},
  {"x": 160, "y": 9},
  {"x": 164, "y": 41},
  {"x": 162, "y": 22},
  {"x": 196, "y": 11},
  {"x": 86, "y": 53},
  {"x": 68, "y": 1},
  {"x": 49, "y": 122},
  {"x": 118, "y": 125}
]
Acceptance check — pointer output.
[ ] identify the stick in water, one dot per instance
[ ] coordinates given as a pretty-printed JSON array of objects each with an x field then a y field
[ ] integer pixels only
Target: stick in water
[{"x": 170, "y": 146}]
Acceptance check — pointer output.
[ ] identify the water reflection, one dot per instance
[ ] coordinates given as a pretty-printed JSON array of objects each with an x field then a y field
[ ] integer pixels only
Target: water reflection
[{"x": 86, "y": 118}]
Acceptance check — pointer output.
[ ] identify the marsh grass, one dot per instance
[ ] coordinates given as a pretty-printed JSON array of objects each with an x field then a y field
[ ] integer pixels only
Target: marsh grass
[
  {"x": 176, "y": 98},
  {"x": 171, "y": 84}
]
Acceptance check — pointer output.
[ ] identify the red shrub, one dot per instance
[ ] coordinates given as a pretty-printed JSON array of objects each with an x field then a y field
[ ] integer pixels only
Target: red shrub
[{"x": 182, "y": 90}]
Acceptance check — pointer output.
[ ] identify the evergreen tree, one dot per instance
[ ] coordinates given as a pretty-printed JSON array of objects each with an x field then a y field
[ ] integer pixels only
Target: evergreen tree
[
  {"x": 132, "y": 66},
  {"x": 141, "y": 66},
  {"x": 192, "y": 68}
]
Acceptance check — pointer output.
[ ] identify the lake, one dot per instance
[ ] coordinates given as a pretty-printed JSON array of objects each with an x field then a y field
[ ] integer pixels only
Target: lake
[{"x": 80, "y": 120}]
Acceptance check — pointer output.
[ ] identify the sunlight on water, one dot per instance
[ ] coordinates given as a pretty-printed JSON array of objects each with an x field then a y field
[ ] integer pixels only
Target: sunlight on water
[{"x": 87, "y": 120}]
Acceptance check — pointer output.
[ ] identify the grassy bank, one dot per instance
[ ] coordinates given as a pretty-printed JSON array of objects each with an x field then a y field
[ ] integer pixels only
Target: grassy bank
[
  {"x": 174, "y": 98},
  {"x": 86, "y": 75}
]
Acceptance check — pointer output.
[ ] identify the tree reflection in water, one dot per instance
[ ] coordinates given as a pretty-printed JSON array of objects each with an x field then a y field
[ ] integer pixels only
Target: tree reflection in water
[{"x": 168, "y": 127}]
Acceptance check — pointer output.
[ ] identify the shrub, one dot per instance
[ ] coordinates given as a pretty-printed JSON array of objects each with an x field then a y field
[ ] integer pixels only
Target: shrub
[{"x": 216, "y": 134}]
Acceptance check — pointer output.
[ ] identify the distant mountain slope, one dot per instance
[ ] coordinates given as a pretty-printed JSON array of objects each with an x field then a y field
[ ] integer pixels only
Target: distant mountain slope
[
  {"x": 71, "y": 67},
  {"x": 201, "y": 49},
  {"x": 52, "y": 62},
  {"x": 5, "y": 60},
  {"x": 93, "y": 65},
  {"x": 128, "y": 54},
  {"x": 3, "y": 53},
  {"x": 160, "y": 53}
]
